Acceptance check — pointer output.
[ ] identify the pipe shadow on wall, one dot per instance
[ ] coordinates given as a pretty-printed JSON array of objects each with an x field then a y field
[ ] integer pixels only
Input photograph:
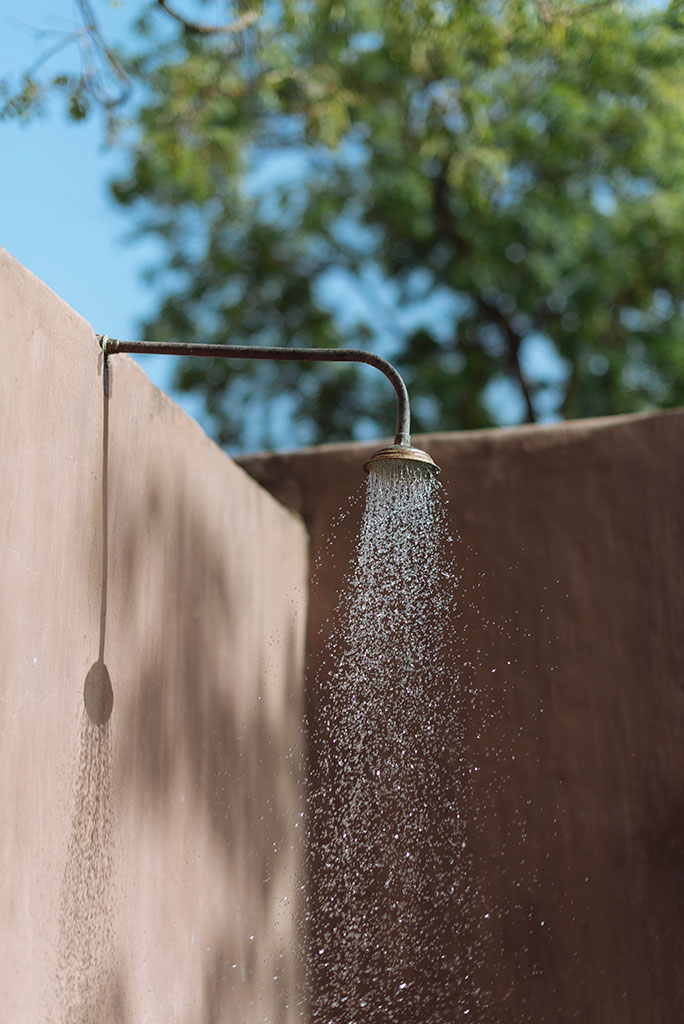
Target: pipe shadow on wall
[{"x": 98, "y": 696}]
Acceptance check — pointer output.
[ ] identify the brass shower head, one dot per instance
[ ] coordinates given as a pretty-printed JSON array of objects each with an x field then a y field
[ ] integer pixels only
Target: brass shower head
[{"x": 398, "y": 453}]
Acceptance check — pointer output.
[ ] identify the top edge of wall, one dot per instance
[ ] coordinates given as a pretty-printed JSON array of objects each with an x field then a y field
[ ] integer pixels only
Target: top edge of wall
[
  {"x": 532, "y": 434},
  {"x": 61, "y": 324}
]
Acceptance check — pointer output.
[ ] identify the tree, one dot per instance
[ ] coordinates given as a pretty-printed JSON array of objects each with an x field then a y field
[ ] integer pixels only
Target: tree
[{"x": 489, "y": 193}]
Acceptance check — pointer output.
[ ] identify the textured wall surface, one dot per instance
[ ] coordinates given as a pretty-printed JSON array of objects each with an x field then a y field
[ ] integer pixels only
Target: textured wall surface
[
  {"x": 152, "y": 621},
  {"x": 572, "y": 598},
  {"x": 153, "y": 606}
]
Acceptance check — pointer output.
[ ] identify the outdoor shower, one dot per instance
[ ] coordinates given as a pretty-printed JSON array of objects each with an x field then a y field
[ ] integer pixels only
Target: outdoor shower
[
  {"x": 400, "y": 451},
  {"x": 372, "y": 750}
]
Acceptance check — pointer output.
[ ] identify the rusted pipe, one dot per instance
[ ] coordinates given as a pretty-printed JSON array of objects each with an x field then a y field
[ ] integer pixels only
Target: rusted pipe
[{"x": 110, "y": 346}]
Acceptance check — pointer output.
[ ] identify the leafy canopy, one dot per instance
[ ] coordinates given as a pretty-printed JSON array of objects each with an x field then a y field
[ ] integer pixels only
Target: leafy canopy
[{"x": 491, "y": 194}]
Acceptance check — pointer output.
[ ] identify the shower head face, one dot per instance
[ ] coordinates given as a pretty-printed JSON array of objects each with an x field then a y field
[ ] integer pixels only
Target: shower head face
[{"x": 402, "y": 453}]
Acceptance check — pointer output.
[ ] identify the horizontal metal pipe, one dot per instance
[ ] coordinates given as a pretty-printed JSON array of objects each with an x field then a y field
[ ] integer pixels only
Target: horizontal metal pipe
[{"x": 110, "y": 346}]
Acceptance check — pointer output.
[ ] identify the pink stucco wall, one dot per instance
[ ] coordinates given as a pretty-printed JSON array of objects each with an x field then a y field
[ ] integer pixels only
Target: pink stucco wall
[
  {"x": 570, "y": 639},
  {"x": 149, "y": 865}
]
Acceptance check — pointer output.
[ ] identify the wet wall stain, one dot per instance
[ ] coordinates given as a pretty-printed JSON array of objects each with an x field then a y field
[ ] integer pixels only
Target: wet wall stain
[{"x": 85, "y": 949}]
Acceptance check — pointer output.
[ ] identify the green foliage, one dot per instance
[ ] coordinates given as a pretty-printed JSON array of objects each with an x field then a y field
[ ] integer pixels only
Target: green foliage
[{"x": 489, "y": 193}]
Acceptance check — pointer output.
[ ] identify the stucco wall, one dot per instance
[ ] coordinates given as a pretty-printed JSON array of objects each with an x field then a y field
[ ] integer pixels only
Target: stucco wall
[
  {"x": 572, "y": 548},
  {"x": 149, "y": 860},
  {"x": 148, "y": 863}
]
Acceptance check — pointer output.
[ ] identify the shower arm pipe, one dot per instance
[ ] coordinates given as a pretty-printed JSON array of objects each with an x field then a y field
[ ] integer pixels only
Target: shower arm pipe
[{"x": 111, "y": 346}]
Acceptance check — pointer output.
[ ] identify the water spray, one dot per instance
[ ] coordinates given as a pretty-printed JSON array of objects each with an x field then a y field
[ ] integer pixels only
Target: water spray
[{"x": 401, "y": 451}]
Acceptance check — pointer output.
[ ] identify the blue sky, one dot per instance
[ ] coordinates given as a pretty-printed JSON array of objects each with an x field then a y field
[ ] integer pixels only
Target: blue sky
[{"x": 55, "y": 214}]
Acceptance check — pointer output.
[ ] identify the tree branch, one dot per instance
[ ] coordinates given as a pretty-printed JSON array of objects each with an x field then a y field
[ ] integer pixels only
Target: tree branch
[
  {"x": 489, "y": 310},
  {"x": 513, "y": 343},
  {"x": 98, "y": 41},
  {"x": 196, "y": 28},
  {"x": 570, "y": 389}
]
